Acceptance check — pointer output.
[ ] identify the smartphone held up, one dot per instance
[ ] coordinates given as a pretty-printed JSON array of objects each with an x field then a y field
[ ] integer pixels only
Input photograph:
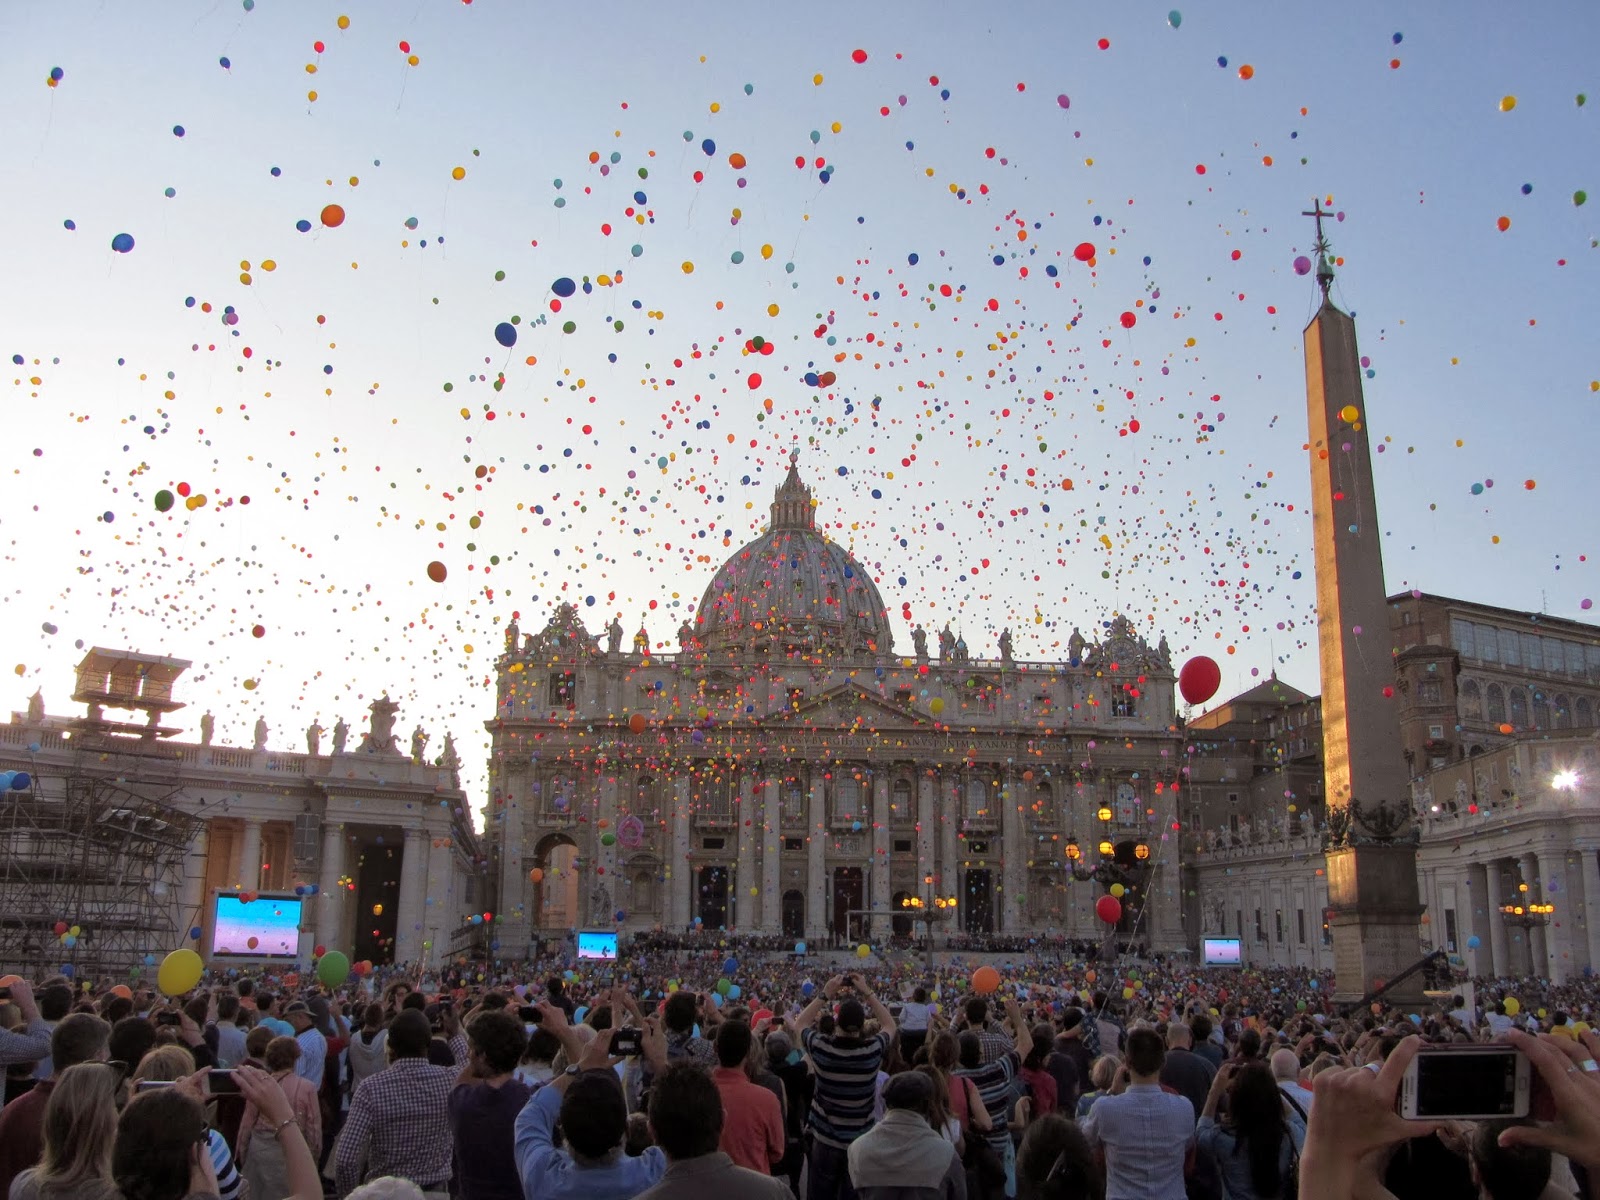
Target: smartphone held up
[{"x": 1466, "y": 1083}]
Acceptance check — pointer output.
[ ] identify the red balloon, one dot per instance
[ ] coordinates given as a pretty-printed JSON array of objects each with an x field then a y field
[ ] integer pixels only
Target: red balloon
[
  {"x": 1108, "y": 909},
  {"x": 1084, "y": 252},
  {"x": 1129, "y": 320},
  {"x": 1199, "y": 679},
  {"x": 320, "y": 951}
]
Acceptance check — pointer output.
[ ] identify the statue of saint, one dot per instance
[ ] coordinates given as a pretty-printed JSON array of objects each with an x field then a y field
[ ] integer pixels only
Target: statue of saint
[
  {"x": 1005, "y": 645},
  {"x": 314, "y": 733},
  {"x": 919, "y": 641},
  {"x": 513, "y": 631},
  {"x": 1164, "y": 652},
  {"x": 341, "y": 734},
  {"x": 450, "y": 758},
  {"x": 261, "y": 733},
  {"x": 1075, "y": 646},
  {"x": 614, "y": 637},
  {"x": 419, "y": 743},
  {"x": 685, "y": 637},
  {"x": 36, "y": 706},
  {"x": 208, "y": 726},
  {"x": 379, "y": 738},
  {"x": 947, "y": 643}
]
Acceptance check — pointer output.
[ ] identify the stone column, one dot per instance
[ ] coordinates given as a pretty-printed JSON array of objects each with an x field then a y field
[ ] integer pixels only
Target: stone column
[
  {"x": 878, "y": 890},
  {"x": 1538, "y": 950},
  {"x": 514, "y": 897},
  {"x": 1591, "y": 877},
  {"x": 949, "y": 873},
  {"x": 607, "y": 855},
  {"x": 1477, "y": 922},
  {"x": 331, "y": 909},
  {"x": 192, "y": 898},
  {"x": 413, "y": 887},
  {"x": 250, "y": 855},
  {"x": 1558, "y": 942},
  {"x": 1494, "y": 894},
  {"x": 770, "y": 815},
  {"x": 925, "y": 830},
  {"x": 440, "y": 902},
  {"x": 817, "y": 860},
  {"x": 681, "y": 882},
  {"x": 1014, "y": 845},
  {"x": 746, "y": 905}
]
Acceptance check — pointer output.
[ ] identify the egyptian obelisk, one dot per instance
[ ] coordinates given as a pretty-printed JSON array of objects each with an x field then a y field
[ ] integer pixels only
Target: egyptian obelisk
[{"x": 1371, "y": 844}]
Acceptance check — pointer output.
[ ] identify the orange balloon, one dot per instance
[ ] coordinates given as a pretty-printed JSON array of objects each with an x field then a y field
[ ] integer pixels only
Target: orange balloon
[
  {"x": 333, "y": 216},
  {"x": 985, "y": 981},
  {"x": 536, "y": 875},
  {"x": 636, "y": 723},
  {"x": 122, "y": 990},
  {"x": 436, "y": 572}
]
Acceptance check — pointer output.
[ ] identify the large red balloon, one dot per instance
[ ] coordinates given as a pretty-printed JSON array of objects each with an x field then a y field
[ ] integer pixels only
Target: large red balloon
[
  {"x": 1199, "y": 679},
  {"x": 1108, "y": 909}
]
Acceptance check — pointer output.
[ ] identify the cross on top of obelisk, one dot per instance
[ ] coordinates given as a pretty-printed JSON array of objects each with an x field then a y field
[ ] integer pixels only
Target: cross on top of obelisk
[{"x": 1324, "y": 267}]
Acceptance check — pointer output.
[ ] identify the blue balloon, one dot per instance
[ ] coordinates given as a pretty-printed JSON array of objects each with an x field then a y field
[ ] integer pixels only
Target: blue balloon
[
  {"x": 709, "y": 147},
  {"x": 5, "y": 780},
  {"x": 303, "y": 225},
  {"x": 731, "y": 967},
  {"x": 21, "y": 781},
  {"x": 799, "y": 947},
  {"x": 563, "y": 287},
  {"x": 1474, "y": 942},
  {"x": 194, "y": 933},
  {"x": 57, "y": 74},
  {"x": 122, "y": 243},
  {"x": 807, "y": 988},
  {"x": 734, "y": 992},
  {"x": 68, "y": 970},
  {"x": 506, "y": 334}
]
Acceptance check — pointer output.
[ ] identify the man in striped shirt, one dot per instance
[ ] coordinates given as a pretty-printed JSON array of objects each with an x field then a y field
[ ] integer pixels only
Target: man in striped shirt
[
  {"x": 993, "y": 1081},
  {"x": 846, "y": 1067}
]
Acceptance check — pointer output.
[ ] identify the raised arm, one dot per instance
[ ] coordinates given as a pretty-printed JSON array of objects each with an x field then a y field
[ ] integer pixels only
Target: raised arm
[
  {"x": 879, "y": 1010},
  {"x": 1019, "y": 1027},
  {"x": 809, "y": 1014}
]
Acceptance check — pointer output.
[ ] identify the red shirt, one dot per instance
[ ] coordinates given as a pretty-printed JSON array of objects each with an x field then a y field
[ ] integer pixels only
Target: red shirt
[
  {"x": 752, "y": 1123},
  {"x": 22, "y": 1132}
]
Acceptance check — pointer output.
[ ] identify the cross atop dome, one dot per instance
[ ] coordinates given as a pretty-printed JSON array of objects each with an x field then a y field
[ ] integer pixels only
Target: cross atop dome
[{"x": 791, "y": 503}]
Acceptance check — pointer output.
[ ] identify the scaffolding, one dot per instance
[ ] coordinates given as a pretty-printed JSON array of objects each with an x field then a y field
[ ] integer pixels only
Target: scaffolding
[{"x": 103, "y": 853}]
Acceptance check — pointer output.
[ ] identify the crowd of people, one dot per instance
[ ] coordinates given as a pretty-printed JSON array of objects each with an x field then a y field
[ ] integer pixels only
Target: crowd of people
[{"x": 703, "y": 1063}]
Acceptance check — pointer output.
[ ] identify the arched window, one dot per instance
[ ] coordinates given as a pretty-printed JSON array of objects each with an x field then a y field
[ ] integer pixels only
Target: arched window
[
  {"x": 1471, "y": 700},
  {"x": 1497, "y": 704},
  {"x": 1541, "y": 711},
  {"x": 644, "y": 890},
  {"x": 645, "y": 801},
  {"x": 1519, "y": 708},
  {"x": 1044, "y": 804},
  {"x": 846, "y": 796},
  {"x": 977, "y": 799},
  {"x": 900, "y": 801},
  {"x": 1563, "y": 712},
  {"x": 1583, "y": 714}
]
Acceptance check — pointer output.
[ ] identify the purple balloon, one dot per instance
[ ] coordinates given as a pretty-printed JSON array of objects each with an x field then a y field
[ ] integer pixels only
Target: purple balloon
[{"x": 1302, "y": 265}]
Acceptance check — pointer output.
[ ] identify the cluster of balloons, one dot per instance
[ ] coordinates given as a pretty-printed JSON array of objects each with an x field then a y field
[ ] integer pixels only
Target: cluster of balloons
[
  {"x": 15, "y": 781},
  {"x": 68, "y": 935}
]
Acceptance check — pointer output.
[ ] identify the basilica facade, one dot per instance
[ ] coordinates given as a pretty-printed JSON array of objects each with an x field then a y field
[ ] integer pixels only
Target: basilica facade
[{"x": 789, "y": 770}]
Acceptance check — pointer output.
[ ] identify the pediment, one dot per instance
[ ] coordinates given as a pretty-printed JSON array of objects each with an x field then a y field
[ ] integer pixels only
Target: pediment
[{"x": 848, "y": 705}]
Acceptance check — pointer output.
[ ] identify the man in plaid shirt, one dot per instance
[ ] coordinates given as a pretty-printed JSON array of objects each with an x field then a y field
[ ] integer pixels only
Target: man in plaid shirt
[{"x": 399, "y": 1120}]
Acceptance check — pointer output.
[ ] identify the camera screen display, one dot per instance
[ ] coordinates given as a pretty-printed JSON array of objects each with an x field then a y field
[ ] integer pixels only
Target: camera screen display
[{"x": 1461, "y": 1084}]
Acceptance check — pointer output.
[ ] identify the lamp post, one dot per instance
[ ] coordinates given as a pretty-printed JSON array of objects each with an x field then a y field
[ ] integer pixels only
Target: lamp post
[
  {"x": 928, "y": 908},
  {"x": 1527, "y": 916},
  {"x": 1107, "y": 871}
]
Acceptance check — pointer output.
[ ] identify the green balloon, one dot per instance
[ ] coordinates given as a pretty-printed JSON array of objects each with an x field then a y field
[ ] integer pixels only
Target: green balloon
[
  {"x": 1580, "y": 197},
  {"x": 333, "y": 968},
  {"x": 164, "y": 500},
  {"x": 724, "y": 986}
]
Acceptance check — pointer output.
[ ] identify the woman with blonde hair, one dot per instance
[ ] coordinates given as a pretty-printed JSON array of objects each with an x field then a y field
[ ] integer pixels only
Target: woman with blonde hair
[
  {"x": 265, "y": 1168},
  {"x": 80, "y": 1124}
]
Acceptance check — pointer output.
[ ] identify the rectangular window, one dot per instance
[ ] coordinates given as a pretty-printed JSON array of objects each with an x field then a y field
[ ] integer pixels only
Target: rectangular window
[
  {"x": 1488, "y": 643},
  {"x": 713, "y": 843},
  {"x": 1238, "y": 923},
  {"x": 794, "y": 802},
  {"x": 1233, "y": 824},
  {"x": 563, "y": 689},
  {"x": 903, "y": 696},
  {"x": 1461, "y": 633},
  {"x": 1532, "y": 652},
  {"x": 1436, "y": 731},
  {"x": 1277, "y": 926},
  {"x": 1555, "y": 656},
  {"x": 1261, "y": 929},
  {"x": 1428, "y": 691},
  {"x": 1300, "y": 924},
  {"x": 1450, "y": 930},
  {"x": 1510, "y": 648},
  {"x": 978, "y": 848},
  {"x": 1574, "y": 654},
  {"x": 794, "y": 845},
  {"x": 1592, "y": 654},
  {"x": 902, "y": 845}
]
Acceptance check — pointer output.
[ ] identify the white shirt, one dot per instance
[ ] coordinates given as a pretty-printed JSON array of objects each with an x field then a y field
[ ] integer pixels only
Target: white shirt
[
  {"x": 1302, "y": 1095},
  {"x": 914, "y": 1016},
  {"x": 313, "y": 1056}
]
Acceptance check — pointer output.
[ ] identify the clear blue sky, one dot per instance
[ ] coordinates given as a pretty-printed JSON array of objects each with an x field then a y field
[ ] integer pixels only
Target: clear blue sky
[{"x": 623, "y": 464}]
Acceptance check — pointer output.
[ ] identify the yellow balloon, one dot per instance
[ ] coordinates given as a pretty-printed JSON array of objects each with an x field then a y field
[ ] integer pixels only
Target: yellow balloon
[
  {"x": 1507, "y": 103},
  {"x": 936, "y": 706},
  {"x": 1513, "y": 1006},
  {"x": 179, "y": 972},
  {"x": 863, "y": 950},
  {"x": 1117, "y": 890},
  {"x": 1127, "y": 993},
  {"x": 1349, "y": 414}
]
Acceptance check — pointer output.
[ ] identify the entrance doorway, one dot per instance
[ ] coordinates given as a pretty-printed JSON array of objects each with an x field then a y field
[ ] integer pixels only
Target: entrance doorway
[
  {"x": 978, "y": 909},
  {"x": 901, "y": 922},
  {"x": 849, "y": 893},
  {"x": 555, "y": 895},
  {"x": 713, "y": 909},
  {"x": 794, "y": 914}
]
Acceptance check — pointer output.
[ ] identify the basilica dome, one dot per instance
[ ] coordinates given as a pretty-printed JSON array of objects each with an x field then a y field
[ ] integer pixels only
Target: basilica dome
[{"x": 792, "y": 591}]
